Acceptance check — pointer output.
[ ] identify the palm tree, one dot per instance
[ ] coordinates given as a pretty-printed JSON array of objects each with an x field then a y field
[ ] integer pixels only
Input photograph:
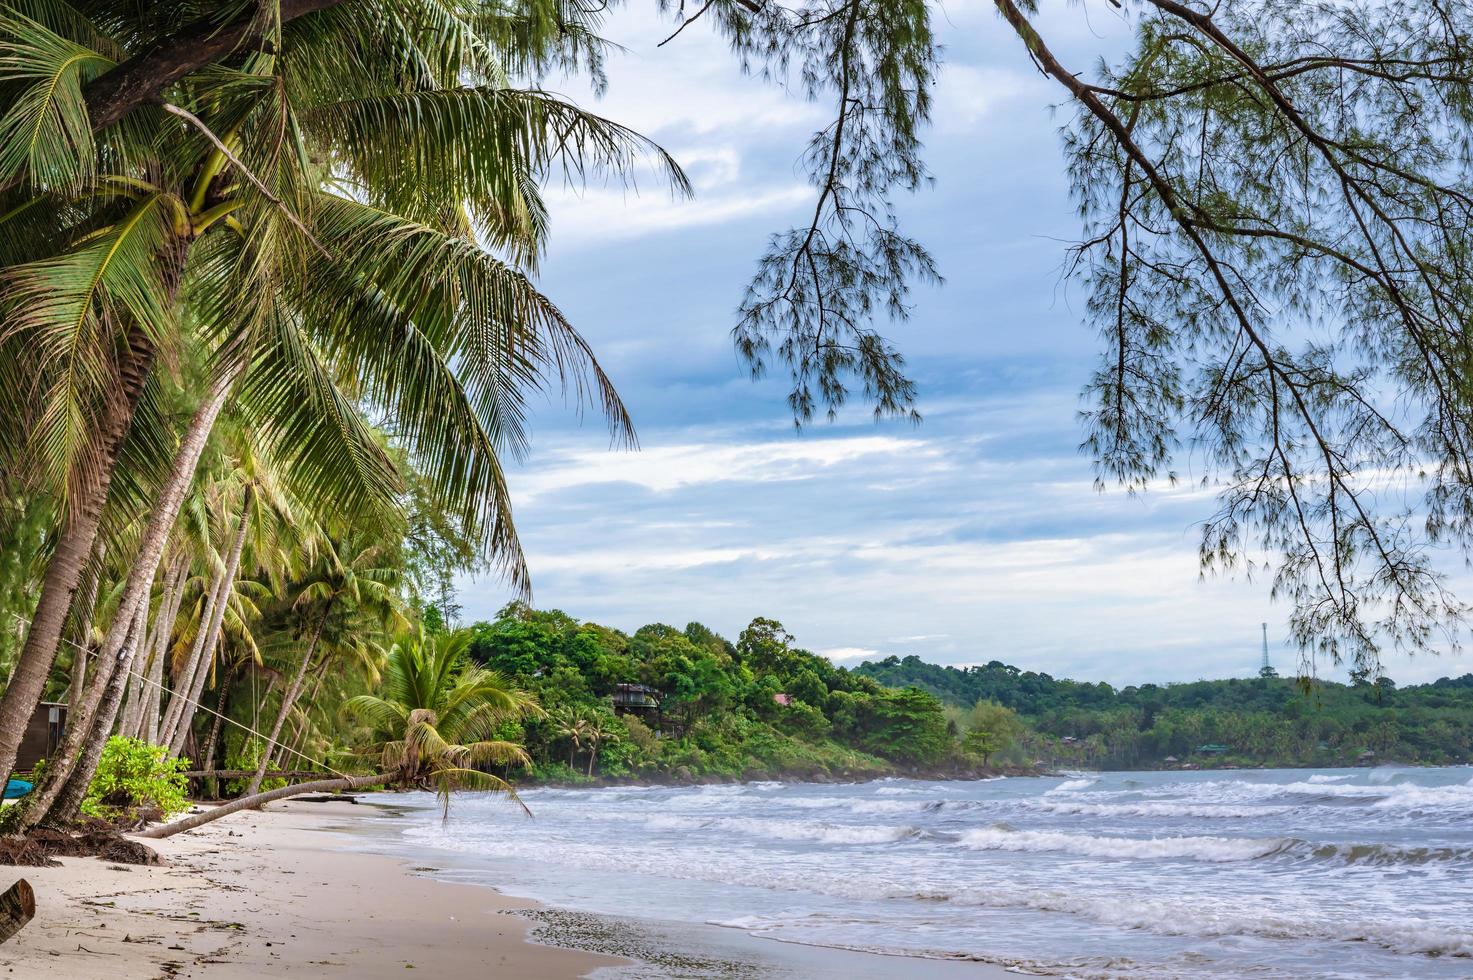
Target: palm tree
[
  {"x": 437, "y": 714},
  {"x": 305, "y": 198},
  {"x": 598, "y": 729},
  {"x": 570, "y": 724},
  {"x": 347, "y": 594}
]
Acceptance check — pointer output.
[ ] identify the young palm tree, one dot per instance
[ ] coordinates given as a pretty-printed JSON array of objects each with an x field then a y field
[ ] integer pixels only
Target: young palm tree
[
  {"x": 306, "y": 193},
  {"x": 437, "y": 713},
  {"x": 598, "y": 730},
  {"x": 568, "y": 723}
]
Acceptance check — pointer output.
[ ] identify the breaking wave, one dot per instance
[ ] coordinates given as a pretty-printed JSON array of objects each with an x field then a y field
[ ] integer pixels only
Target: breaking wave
[{"x": 1216, "y": 849}]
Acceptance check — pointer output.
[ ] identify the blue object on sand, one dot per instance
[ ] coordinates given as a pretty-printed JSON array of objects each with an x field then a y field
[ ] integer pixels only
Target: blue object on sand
[{"x": 16, "y": 788}]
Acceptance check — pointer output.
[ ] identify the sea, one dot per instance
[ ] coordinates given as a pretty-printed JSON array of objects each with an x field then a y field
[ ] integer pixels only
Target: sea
[{"x": 1252, "y": 873}]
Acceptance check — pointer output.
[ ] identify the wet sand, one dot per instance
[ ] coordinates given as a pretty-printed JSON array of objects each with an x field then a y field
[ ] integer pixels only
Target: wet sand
[{"x": 291, "y": 892}]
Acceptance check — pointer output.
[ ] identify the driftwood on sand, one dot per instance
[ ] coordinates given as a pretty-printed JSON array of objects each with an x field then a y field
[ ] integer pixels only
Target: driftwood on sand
[{"x": 17, "y": 907}]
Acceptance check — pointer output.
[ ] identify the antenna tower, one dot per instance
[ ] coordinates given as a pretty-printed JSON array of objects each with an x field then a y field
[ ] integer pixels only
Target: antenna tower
[{"x": 1266, "y": 665}]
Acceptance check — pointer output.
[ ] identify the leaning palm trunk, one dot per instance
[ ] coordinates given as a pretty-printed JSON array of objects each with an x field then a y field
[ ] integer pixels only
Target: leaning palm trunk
[
  {"x": 278, "y": 753},
  {"x": 212, "y": 639},
  {"x": 67, "y": 804},
  {"x": 288, "y": 699},
  {"x": 82, "y": 621},
  {"x": 81, "y": 730},
  {"x": 124, "y": 632},
  {"x": 207, "y": 754},
  {"x": 184, "y": 679},
  {"x": 261, "y": 799},
  {"x": 166, "y": 510},
  {"x": 163, "y": 631},
  {"x": 73, "y": 545}
]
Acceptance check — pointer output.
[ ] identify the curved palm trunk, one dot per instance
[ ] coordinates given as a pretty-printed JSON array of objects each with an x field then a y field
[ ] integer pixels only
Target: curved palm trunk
[
  {"x": 163, "y": 631},
  {"x": 73, "y": 546},
  {"x": 184, "y": 681},
  {"x": 217, "y": 619},
  {"x": 261, "y": 799},
  {"x": 207, "y": 755},
  {"x": 82, "y": 737},
  {"x": 138, "y": 686},
  {"x": 68, "y": 802},
  {"x": 288, "y": 699},
  {"x": 279, "y": 754},
  {"x": 82, "y": 620}
]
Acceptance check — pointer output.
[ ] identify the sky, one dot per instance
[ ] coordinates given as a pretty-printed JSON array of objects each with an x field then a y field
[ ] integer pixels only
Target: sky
[{"x": 976, "y": 535}]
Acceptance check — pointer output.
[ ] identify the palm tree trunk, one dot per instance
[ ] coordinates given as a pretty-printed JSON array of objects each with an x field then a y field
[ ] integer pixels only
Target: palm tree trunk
[
  {"x": 163, "y": 631},
  {"x": 68, "y": 801},
  {"x": 82, "y": 628},
  {"x": 302, "y": 731},
  {"x": 82, "y": 729},
  {"x": 217, "y": 619},
  {"x": 184, "y": 681},
  {"x": 261, "y": 799},
  {"x": 288, "y": 699},
  {"x": 206, "y": 757},
  {"x": 132, "y": 714},
  {"x": 73, "y": 546}
]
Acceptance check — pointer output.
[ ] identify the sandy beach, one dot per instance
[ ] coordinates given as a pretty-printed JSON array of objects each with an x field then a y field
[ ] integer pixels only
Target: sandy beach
[
  {"x": 289, "y": 893},
  {"x": 268, "y": 894}
]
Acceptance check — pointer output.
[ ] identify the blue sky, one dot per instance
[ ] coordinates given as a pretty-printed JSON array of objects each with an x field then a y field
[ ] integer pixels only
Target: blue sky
[{"x": 977, "y": 535}]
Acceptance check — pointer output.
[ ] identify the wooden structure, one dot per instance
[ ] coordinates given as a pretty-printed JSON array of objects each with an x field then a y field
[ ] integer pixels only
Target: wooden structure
[
  {"x": 42, "y": 736},
  {"x": 635, "y": 698}
]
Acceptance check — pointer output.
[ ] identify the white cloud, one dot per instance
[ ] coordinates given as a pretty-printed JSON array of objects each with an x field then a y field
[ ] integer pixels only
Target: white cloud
[
  {"x": 669, "y": 467},
  {"x": 601, "y": 216}
]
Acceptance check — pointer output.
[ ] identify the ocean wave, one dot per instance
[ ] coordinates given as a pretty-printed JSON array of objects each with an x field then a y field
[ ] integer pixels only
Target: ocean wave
[
  {"x": 1211, "y": 919},
  {"x": 1215, "y": 849},
  {"x": 1320, "y": 778},
  {"x": 791, "y": 830},
  {"x": 1212, "y": 811},
  {"x": 1072, "y": 786}
]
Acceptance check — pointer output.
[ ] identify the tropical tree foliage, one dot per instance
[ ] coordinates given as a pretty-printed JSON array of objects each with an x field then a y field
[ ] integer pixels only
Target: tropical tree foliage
[
  {"x": 437, "y": 714},
  {"x": 319, "y": 221}
]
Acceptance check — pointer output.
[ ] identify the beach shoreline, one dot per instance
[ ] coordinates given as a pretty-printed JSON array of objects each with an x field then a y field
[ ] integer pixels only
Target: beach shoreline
[
  {"x": 297, "y": 890},
  {"x": 272, "y": 894}
]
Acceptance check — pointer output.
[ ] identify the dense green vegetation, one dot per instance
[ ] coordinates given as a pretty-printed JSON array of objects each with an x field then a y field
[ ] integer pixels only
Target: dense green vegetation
[
  {"x": 272, "y": 324},
  {"x": 758, "y": 706},
  {"x": 1264, "y": 720}
]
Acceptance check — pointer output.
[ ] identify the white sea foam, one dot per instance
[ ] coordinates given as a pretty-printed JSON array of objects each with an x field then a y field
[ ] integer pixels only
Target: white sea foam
[
  {"x": 1216, "y": 849},
  {"x": 790, "y": 830},
  {"x": 1322, "y": 778},
  {"x": 1210, "y": 919},
  {"x": 1206, "y": 811},
  {"x": 1072, "y": 786}
]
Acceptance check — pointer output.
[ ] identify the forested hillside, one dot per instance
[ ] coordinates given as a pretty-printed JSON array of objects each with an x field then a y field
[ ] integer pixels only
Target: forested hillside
[
  {"x": 1261, "y": 720},
  {"x": 683, "y": 703}
]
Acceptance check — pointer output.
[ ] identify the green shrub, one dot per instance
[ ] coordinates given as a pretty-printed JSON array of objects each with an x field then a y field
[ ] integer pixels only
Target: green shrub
[
  {"x": 245, "y": 759},
  {"x": 133, "y": 775}
]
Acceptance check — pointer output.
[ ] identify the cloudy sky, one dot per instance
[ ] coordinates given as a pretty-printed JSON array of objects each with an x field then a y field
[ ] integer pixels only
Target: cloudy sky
[{"x": 975, "y": 536}]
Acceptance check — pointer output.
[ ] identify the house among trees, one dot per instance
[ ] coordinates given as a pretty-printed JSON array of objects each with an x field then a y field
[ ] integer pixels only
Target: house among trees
[
  {"x": 636, "y": 699},
  {"x": 1212, "y": 749}
]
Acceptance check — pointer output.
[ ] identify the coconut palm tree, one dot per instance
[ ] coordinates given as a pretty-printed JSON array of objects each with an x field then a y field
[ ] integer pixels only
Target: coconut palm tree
[
  {"x": 304, "y": 193},
  {"x": 348, "y": 595},
  {"x": 570, "y": 724},
  {"x": 437, "y": 713},
  {"x": 598, "y": 729}
]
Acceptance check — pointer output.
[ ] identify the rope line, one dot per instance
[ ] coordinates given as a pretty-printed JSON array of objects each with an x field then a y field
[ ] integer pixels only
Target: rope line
[{"x": 201, "y": 707}]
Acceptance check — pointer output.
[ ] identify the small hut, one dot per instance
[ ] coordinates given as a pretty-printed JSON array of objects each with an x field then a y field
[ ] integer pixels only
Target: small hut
[
  {"x": 43, "y": 734},
  {"x": 635, "y": 698}
]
